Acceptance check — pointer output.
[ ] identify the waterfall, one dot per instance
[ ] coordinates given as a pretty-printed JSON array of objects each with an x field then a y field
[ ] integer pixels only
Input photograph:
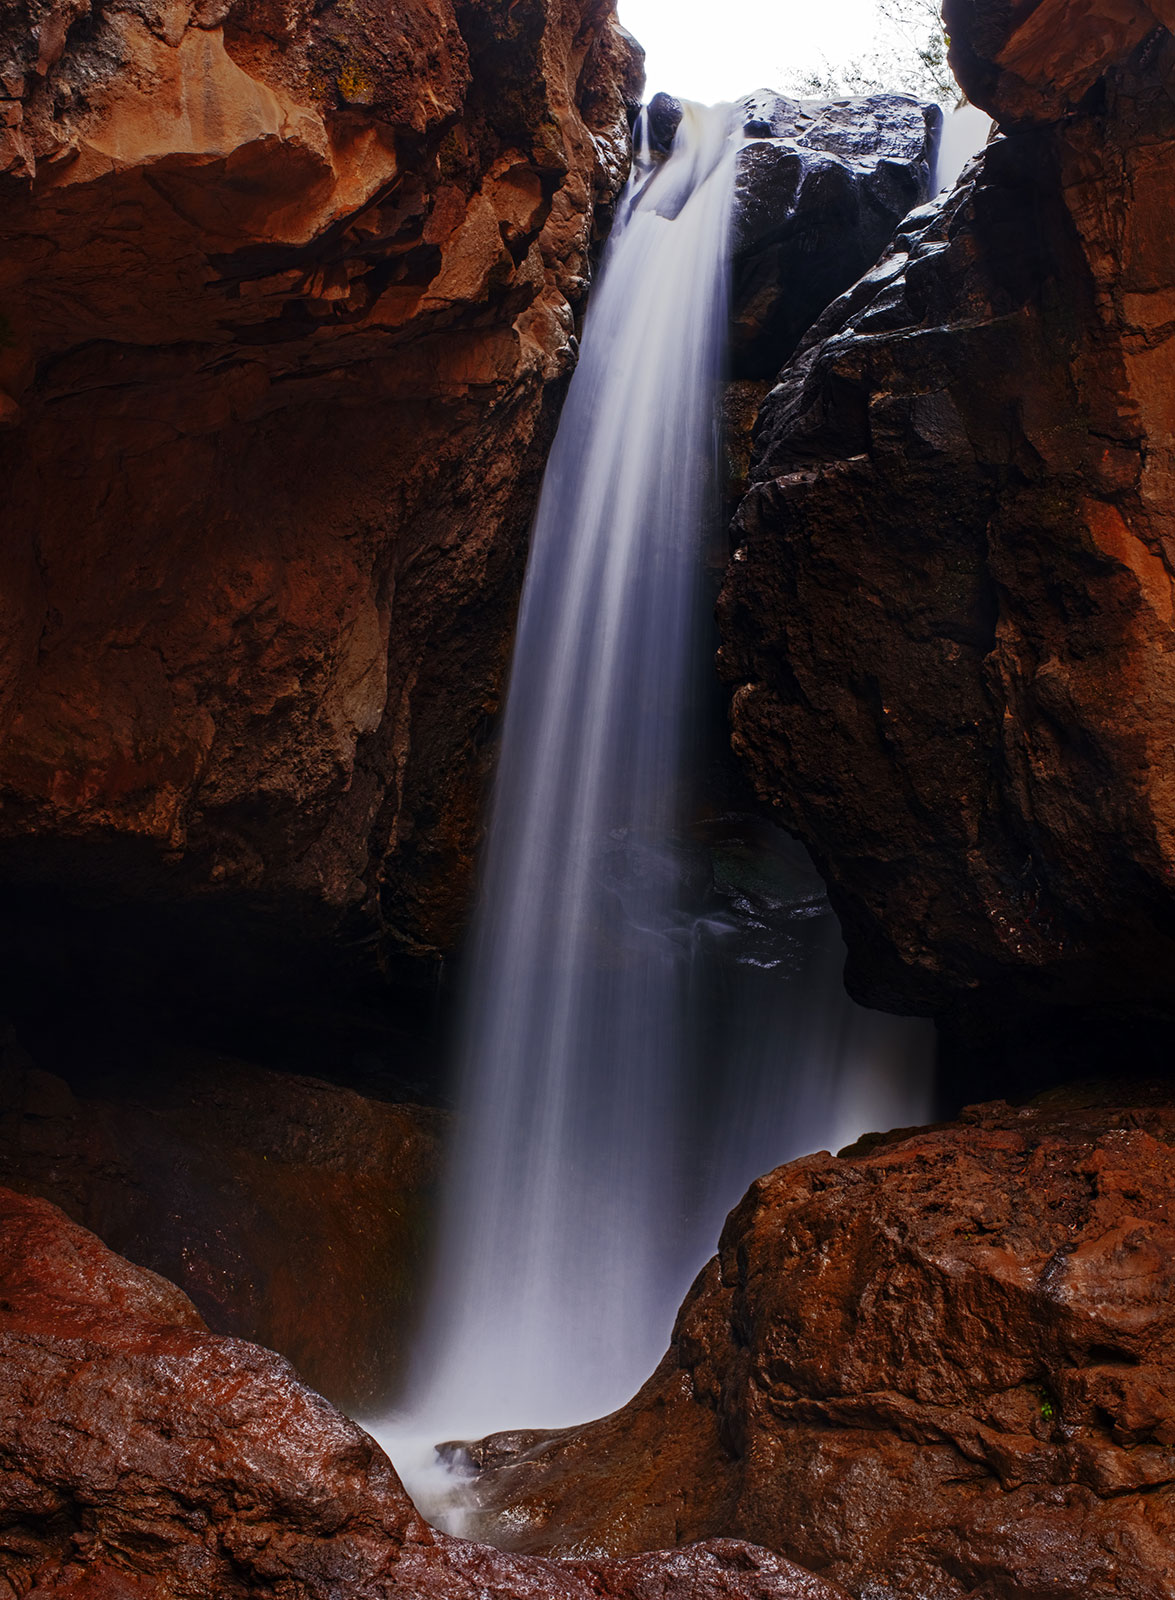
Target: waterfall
[{"x": 616, "y": 1092}]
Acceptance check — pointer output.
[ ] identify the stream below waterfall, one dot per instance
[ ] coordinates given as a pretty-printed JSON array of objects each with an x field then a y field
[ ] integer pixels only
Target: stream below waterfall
[{"x": 654, "y": 1012}]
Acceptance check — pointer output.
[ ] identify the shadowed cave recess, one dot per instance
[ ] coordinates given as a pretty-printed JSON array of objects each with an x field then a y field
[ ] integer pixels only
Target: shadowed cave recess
[{"x": 418, "y": 958}]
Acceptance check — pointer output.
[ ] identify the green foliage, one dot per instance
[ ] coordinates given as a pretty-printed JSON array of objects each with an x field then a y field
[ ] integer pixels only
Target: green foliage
[
  {"x": 1047, "y": 1403},
  {"x": 913, "y": 60}
]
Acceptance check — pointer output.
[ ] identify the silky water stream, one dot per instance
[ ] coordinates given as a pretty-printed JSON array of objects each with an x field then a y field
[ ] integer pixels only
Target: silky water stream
[{"x": 654, "y": 1012}]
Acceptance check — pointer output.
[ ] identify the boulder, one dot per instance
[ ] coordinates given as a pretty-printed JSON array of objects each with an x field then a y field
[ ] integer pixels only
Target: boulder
[
  {"x": 143, "y": 1458},
  {"x": 821, "y": 186},
  {"x": 940, "y": 1364},
  {"x": 664, "y": 115}
]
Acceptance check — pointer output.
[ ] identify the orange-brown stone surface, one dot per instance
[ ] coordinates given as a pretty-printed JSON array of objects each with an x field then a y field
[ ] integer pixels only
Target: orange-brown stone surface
[
  {"x": 941, "y": 1365},
  {"x": 292, "y": 1212},
  {"x": 288, "y": 295},
  {"x": 1035, "y": 60},
  {"x": 143, "y": 1458},
  {"x": 949, "y": 621}
]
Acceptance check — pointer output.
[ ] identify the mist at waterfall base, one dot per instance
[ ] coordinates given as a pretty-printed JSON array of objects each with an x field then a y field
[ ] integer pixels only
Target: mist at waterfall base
[{"x": 654, "y": 1012}]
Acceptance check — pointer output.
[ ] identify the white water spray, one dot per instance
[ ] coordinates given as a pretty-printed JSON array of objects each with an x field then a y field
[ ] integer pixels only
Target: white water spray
[{"x": 606, "y": 1121}]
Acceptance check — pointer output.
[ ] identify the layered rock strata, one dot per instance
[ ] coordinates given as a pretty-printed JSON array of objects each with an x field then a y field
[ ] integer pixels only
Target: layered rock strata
[
  {"x": 287, "y": 300},
  {"x": 949, "y": 618},
  {"x": 142, "y": 1458},
  {"x": 940, "y": 1365}
]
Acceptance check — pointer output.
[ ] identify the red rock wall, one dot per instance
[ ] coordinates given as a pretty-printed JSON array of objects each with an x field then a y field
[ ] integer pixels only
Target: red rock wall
[
  {"x": 949, "y": 623},
  {"x": 288, "y": 301}
]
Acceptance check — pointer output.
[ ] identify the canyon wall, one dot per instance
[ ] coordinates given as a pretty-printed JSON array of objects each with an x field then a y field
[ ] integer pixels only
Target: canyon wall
[
  {"x": 948, "y": 623},
  {"x": 288, "y": 299}
]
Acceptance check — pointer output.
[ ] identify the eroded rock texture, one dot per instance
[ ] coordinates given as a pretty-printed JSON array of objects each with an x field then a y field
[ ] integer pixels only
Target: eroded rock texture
[
  {"x": 142, "y": 1458},
  {"x": 292, "y": 1212},
  {"x": 940, "y": 1366},
  {"x": 949, "y": 617},
  {"x": 288, "y": 298}
]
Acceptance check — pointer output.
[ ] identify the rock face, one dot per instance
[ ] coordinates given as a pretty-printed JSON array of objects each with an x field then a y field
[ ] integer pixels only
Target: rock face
[
  {"x": 821, "y": 187},
  {"x": 940, "y": 1365},
  {"x": 288, "y": 298},
  {"x": 292, "y": 1212},
  {"x": 142, "y": 1458},
  {"x": 948, "y": 621}
]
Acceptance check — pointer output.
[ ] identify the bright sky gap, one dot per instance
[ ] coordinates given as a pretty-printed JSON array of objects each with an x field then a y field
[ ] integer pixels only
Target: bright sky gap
[{"x": 701, "y": 52}]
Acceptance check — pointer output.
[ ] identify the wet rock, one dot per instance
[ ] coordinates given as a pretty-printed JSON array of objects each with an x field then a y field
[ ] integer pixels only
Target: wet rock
[
  {"x": 141, "y": 1457},
  {"x": 948, "y": 619},
  {"x": 940, "y": 1364},
  {"x": 292, "y": 1212},
  {"x": 664, "y": 118},
  {"x": 821, "y": 187},
  {"x": 289, "y": 300}
]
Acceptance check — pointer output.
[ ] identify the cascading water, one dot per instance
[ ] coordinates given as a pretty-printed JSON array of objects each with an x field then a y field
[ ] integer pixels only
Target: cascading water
[
  {"x": 573, "y": 1026},
  {"x": 611, "y": 1072}
]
